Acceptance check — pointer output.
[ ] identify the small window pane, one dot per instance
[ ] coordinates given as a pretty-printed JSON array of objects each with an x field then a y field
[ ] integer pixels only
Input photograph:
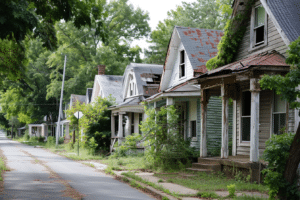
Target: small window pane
[
  {"x": 181, "y": 57},
  {"x": 259, "y": 16},
  {"x": 246, "y": 103},
  {"x": 246, "y": 121},
  {"x": 193, "y": 129},
  {"x": 279, "y": 123},
  {"x": 279, "y": 105},
  {"x": 260, "y": 34}
]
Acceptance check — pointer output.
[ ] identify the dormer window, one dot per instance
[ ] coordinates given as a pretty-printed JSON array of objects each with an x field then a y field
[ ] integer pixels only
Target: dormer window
[
  {"x": 258, "y": 27},
  {"x": 182, "y": 64}
]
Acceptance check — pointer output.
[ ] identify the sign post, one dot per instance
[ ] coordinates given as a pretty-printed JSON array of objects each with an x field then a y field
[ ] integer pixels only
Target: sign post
[{"x": 78, "y": 115}]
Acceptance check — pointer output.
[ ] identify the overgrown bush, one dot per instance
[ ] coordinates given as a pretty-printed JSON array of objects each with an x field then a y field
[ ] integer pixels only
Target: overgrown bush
[
  {"x": 33, "y": 139},
  {"x": 128, "y": 145},
  {"x": 60, "y": 140},
  {"x": 92, "y": 145},
  {"x": 50, "y": 141},
  {"x": 26, "y": 137},
  {"x": 276, "y": 154},
  {"x": 41, "y": 139},
  {"x": 166, "y": 147}
]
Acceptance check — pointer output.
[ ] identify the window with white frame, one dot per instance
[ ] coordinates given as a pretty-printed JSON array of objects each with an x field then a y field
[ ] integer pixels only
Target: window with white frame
[
  {"x": 246, "y": 115},
  {"x": 279, "y": 114},
  {"x": 182, "y": 64},
  {"x": 131, "y": 87},
  {"x": 258, "y": 27},
  {"x": 193, "y": 129}
]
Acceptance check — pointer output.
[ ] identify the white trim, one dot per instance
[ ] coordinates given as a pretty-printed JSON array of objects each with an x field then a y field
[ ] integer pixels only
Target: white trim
[{"x": 242, "y": 143}]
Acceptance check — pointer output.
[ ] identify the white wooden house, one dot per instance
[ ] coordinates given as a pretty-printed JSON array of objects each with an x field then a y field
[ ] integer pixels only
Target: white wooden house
[
  {"x": 257, "y": 113},
  {"x": 107, "y": 85},
  {"x": 140, "y": 81},
  {"x": 188, "y": 51}
]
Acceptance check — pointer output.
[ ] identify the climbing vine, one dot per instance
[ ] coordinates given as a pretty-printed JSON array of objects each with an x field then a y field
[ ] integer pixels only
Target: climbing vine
[{"x": 233, "y": 34}]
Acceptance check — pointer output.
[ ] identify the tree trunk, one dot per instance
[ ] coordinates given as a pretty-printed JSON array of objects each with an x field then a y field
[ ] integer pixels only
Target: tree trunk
[
  {"x": 73, "y": 136},
  {"x": 12, "y": 132},
  {"x": 291, "y": 166}
]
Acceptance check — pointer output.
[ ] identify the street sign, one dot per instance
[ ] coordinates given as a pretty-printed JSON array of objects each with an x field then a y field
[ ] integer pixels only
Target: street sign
[{"x": 78, "y": 114}]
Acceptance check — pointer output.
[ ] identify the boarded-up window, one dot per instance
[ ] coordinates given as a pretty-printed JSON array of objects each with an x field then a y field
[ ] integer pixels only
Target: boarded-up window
[
  {"x": 279, "y": 115},
  {"x": 246, "y": 115},
  {"x": 182, "y": 64}
]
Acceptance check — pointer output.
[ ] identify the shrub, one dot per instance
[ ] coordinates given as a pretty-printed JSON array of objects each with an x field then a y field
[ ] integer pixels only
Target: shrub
[
  {"x": 92, "y": 146},
  {"x": 231, "y": 190},
  {"x": 166, "y": 146},
  {"x": 128, "y": 146},
  {"x": 276, "y": 154},
  {"x": 41, "y": 139},
  {"x": 60, "y": 140},
  {"x": 50, "y": 141},
  {"x": 26, "y": 137},
  {"x": 33, "y": 139}
]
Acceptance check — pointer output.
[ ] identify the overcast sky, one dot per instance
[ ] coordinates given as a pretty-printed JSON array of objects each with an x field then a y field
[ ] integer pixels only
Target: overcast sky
[{"x": 157, "y": 11}]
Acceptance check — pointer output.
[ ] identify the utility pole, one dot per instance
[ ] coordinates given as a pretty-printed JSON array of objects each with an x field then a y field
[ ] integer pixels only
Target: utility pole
[{"x": 60, "y": 104}]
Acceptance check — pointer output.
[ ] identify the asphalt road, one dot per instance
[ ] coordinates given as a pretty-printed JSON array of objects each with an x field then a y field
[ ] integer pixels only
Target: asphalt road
[{"x": 39, "y": 174}]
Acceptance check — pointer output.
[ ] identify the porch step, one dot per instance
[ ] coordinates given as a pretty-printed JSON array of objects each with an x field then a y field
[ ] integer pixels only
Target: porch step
[
  {"x": 200, "y": 170},
  {"x": 215, "y": 167},
  {"x": 208, "y": 160}
]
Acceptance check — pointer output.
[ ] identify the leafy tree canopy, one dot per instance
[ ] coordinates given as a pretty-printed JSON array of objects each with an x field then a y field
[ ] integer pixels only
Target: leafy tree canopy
[{"x": 200, "y": 14}]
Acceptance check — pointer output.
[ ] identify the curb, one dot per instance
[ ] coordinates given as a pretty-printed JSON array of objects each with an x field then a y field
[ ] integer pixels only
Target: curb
[{"x": 154, "y": 192}]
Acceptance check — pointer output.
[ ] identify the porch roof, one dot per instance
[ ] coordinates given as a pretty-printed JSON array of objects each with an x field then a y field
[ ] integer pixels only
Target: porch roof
[{"x": 267, "y": 59}]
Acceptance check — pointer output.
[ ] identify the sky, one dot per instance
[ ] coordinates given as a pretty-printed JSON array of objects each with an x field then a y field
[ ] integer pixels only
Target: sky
[{"x": 158, "y": 10}]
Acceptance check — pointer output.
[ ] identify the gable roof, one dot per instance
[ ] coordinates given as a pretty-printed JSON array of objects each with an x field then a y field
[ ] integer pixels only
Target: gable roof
[
  {"x": 200, "y": 45},
  {"x": 143, "y": 75},
  {"x": 111, "y": 85},
  {"x": 287, "y": 14},
  {"x": 74, "y": 98},
  {"x": 262, "y": 59}
]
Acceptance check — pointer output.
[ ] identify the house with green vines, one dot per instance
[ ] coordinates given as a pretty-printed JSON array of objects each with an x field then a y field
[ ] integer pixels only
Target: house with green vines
[
  {"x": 254, "y": 44},
  {"x": 188, "y": 51}
]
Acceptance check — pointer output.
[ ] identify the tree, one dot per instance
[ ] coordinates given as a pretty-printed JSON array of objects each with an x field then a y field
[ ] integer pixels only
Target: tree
[
  {"x": 287, "y": 87},
  {"x": 204, "y": 14},
  {"x": 21, "y": 18}
]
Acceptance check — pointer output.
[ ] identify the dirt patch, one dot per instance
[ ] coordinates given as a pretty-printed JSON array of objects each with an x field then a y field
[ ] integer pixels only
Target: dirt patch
[{"x": 69, "y": 191}]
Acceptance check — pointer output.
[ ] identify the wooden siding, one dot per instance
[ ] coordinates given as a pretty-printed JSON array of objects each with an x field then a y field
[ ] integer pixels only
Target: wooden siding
[
  {"x": 175, "y": 80},
  {"x": 214, "y": 126},
  {"x": 291, "y": 121},
  {"x": 275, "y": 42}
]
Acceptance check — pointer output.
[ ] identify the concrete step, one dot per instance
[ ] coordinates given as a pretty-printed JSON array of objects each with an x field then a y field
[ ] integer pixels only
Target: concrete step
[
  {"x": 200, "y": 170},
  {"x": 208, "y": 160},
  {"x": 215, "y": 167}
]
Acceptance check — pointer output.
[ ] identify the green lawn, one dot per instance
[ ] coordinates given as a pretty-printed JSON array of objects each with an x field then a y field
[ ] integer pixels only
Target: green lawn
[
  {"x": 126, "y": 163},
  {"x": 210, "y": 182}
]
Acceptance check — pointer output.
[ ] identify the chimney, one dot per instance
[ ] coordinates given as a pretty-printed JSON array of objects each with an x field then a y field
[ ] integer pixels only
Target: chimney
[{"x": 101, "y": 69}]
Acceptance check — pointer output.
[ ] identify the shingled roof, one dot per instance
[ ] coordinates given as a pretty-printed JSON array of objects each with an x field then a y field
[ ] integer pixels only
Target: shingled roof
[
  {"x": 111, "y": 85},
  {"x": 287, "y": 14},
  {"x": 200, "y": 45}
]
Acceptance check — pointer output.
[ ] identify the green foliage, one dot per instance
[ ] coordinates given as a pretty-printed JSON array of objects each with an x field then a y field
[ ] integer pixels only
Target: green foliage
[
  {"x": 92, "y": 146},
  {"x": 204, "y": 14},
  {"x": 286, "y": 85},
  {"x": 26, "y": 137},
  {"x": 166, "y": 148},
  {"x": 61, "y": 140},
  {"x": 41, "y": 139},
  {"x": 231, "y": 190},
  {"x": 165, "y": 198},
  {"x": 50, "y": 141},
  {"x": 233, "y": 33},
  {"x": 207, "y": 195},
  {"x": 276, "y": 154},
  {"x": 128, "y": 145}
]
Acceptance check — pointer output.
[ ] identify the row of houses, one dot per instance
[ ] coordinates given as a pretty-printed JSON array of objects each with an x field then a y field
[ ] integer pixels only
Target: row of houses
[{"x": 202, "y": 97}]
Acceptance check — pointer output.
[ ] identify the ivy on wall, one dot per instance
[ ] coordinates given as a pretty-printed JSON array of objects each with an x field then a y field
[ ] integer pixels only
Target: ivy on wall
[{"x": 233, "y": 34}]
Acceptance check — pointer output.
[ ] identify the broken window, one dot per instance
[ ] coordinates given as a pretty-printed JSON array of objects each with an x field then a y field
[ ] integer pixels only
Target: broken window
[
  {"x": 246, "y": 115},
  {"x": 193, "y": 129},
  {"x": 279, "y": 115},
  {"x": 259, "y": 26},
  {"x": 182, "y": 64}
]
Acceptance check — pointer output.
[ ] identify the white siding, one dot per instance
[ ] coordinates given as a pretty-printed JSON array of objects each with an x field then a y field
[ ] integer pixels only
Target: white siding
[{"x": 175, "y": 80}]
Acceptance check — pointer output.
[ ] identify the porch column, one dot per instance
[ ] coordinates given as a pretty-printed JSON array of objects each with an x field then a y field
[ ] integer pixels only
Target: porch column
[
  {"x": 225, "y": 107},
  {"x": 204, "y": 101},
  {"x": 67, "y": 130},
  {"x": 112, "y": 125},
  {"x": 136, "y": 123},
  {"x": 170, "y": 101},
  {"x": 254, "y": 130},
  {"x": 234, "y": 129},
  {"x": 30, "y": 130},
  {"x": 120, "y": 134}
]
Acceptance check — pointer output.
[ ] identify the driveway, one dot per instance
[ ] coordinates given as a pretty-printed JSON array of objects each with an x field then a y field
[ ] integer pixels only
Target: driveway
[{"x": 39, "y": 174}]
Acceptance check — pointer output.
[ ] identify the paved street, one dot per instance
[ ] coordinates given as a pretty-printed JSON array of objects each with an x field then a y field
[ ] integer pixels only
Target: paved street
[{"x": 38, "y": 174}]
